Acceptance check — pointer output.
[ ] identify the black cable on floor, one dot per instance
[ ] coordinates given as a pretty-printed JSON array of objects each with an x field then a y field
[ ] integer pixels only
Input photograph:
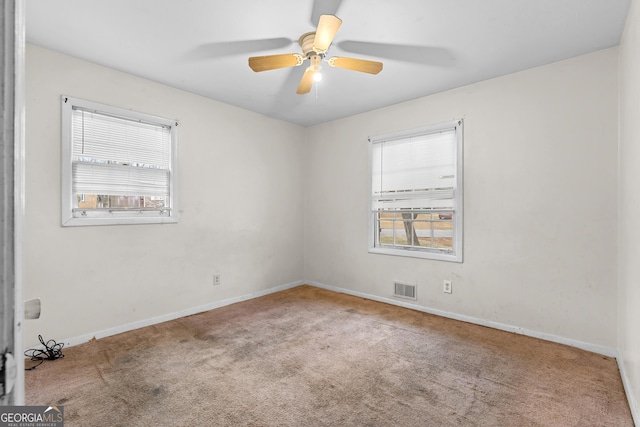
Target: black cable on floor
[{"x": 52, "y": 351}]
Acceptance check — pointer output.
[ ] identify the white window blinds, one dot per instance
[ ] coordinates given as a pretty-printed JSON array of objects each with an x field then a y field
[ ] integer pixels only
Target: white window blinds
[
  {"x": 118, "y": 156},
  {"x": 415, "y": 172}
]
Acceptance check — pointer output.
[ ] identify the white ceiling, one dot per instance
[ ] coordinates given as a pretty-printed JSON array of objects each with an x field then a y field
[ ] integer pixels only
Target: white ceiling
[{"x": 427, "y": 46}]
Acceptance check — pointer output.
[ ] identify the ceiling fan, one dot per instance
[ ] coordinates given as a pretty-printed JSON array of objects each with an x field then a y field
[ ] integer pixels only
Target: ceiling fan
[{"x": 314, "y": 48}]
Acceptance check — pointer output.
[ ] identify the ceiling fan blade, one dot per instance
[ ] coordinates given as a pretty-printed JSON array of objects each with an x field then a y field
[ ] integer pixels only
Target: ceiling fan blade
[
  {"x": 306, "y": 82},
  {"x": 222, "y": 49},
  {"x": 362, "y": 65},
  {"x": 324, "y": 7},
  {"x": 328, "y": 26},
  {"x": 289, "y": 86},
  {"x": 428, "y": 55},
  {"x": 273, "y": 62}
]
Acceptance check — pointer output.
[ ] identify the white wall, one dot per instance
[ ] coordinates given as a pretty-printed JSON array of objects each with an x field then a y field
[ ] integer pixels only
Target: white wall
[
  {"x": 540, "y": 202},
  {"x": 241, "y": 210},
  {"x": 629, "y": 202}
]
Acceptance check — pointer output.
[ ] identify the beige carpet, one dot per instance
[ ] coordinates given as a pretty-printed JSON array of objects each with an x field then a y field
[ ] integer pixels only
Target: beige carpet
[{"x": 310, "y": 357}]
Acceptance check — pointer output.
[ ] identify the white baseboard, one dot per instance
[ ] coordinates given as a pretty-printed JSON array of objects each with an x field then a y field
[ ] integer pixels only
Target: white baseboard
[
  {"x": 171, "y": 316},
  {"x": 606, "y": 351},
  {"x": 629, "y": 392}
]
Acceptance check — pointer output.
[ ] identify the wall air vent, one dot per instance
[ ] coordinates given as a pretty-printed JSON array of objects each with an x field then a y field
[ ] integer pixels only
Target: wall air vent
[{"x": 404, "y": 290}]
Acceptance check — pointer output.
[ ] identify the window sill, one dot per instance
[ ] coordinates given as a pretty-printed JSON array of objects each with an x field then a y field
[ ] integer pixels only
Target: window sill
[
  {"x": 80, "y": 222},
  {"x": 416, "y": 254}
]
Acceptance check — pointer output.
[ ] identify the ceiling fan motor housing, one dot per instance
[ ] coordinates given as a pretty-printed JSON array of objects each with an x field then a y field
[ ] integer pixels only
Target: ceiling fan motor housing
[{"x": 306, "y": 43}]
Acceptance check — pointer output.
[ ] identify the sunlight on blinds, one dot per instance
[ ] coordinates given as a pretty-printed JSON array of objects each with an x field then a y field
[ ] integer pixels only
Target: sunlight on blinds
[
  {"x": 415, "y": 172},
  {"x": 113, "y": 155}
]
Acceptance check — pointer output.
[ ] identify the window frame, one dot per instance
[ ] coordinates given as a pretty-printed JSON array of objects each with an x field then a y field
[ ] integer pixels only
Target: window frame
[
  {"x": 129, "y": 216},
  {"x": 458, "y": 214}
]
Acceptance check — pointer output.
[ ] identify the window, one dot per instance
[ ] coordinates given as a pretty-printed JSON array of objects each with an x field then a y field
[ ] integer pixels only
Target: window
[
  {"x": 118, "y": 166},
  {"x": 416, "y": 193}
]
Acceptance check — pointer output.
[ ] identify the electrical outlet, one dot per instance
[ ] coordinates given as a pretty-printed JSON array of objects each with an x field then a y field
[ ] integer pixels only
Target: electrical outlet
[
  {"x": 216, "y": 280},
  {"x": 446, "y": 286}
]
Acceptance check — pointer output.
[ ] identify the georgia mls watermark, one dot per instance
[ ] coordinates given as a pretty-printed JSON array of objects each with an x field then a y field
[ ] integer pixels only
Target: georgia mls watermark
[{"x": 31, "y": 416}]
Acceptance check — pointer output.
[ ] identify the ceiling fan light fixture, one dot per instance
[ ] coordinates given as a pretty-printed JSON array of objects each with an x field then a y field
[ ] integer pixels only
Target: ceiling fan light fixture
[{"x": 315, "y": 66}]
